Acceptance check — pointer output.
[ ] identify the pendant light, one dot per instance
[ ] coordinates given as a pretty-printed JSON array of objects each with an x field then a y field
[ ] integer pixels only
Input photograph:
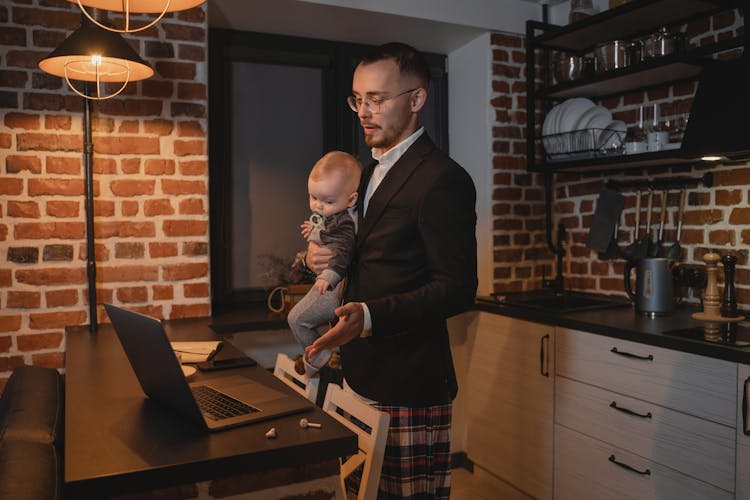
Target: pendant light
[
  {"x": 91, "y": 54},
  {"x": 128, "y": 7}
]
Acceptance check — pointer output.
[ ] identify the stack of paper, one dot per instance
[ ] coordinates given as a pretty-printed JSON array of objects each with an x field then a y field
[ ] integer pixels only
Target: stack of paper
[{"x": 195, "y": 352}]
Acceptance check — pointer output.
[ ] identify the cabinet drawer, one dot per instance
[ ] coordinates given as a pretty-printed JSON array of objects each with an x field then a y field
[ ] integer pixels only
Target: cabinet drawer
[
  {"x": 693, "y": 384},
  {"x": 697, "y": 447},
  {"x": 587, "y": 468}
]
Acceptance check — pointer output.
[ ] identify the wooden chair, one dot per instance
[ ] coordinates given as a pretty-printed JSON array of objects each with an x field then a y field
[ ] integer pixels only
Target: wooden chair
[
  {"x": 371, "y": 442},
  {"x": 284, "y": 369}
]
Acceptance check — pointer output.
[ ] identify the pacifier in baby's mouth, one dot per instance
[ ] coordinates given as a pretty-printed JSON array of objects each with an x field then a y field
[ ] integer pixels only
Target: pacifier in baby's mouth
[{"x": 317, "y": 219}]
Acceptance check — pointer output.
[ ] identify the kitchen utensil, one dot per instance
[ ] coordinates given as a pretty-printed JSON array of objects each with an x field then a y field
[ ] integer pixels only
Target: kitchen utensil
[
  {"x": 628, "y": 253},
  {"x": 610, "y": 55},
  {"x": 567, "y": 67},
  {"x": 608, "y": 209},
  {"x": 656, "y": 248},
  {"x": 674, "y": 252},
  {"x": 654, "y": 286},
  {"x": 633, "y": 52},
  {"x": 612, "y": 248},
  {"x": 645, "y": 243},
  {"x": 662, "y": 43}
]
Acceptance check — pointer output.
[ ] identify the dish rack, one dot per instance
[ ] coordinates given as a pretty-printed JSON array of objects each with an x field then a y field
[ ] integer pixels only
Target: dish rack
[{"x": 584, "y": 143}]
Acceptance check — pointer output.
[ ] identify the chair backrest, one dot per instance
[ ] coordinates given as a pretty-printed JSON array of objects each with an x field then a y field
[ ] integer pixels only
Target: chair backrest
[
  {"x": 284, "y": 369},
  {"x": 371, "y": 442}
]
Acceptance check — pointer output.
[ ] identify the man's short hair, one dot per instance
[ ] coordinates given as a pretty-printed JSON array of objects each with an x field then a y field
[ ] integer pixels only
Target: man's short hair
[{"x": 409, "y": 60}]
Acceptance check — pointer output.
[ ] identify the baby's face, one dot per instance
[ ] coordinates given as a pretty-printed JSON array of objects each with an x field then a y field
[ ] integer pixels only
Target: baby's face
[{"x": 328, "y": 195}]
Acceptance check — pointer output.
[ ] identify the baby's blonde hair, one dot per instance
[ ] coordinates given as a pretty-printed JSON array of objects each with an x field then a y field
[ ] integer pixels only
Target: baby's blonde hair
[{"x": 341, "y": 163}]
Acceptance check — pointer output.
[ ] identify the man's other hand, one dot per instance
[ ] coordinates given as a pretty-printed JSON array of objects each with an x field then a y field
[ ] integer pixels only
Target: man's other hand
[{"x": 350, "y": 325}]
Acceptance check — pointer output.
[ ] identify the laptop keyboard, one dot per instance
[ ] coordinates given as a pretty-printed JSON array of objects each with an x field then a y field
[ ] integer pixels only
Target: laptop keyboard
[{"x": 217, "y": 405}]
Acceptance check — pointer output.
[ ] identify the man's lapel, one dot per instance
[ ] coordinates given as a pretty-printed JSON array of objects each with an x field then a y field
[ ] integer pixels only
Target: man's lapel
[{"x": 392, "y": 183}]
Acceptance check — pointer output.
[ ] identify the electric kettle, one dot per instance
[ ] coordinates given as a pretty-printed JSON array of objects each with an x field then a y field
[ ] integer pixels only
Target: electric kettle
[{"x": 654, "y": 286}]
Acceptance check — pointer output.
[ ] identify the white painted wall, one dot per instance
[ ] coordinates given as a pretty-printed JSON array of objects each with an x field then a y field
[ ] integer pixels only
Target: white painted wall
[{"x": 469, "y": 132}]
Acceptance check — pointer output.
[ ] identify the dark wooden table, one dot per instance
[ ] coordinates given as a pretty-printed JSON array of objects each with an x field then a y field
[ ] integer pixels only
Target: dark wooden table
[{"x": 118, "y": 442}]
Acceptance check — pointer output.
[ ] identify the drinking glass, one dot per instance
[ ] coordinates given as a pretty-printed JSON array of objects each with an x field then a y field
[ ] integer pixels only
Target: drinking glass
[{"x": 656, "y": 136}]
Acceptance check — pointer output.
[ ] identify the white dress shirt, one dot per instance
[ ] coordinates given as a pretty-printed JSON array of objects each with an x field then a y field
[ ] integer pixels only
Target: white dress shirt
[{"x": 385, "y": 163}]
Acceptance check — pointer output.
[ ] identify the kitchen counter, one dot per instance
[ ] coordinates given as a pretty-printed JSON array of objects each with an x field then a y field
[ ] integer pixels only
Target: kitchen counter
[{"x": 677, "y": 331}]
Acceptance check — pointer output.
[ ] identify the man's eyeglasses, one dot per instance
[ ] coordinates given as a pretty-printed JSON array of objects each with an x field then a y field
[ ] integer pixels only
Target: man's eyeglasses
[{"x": 374, "y": 104}]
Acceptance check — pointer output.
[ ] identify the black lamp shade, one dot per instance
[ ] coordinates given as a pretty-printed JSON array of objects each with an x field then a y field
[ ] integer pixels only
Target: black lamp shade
[{"x": 94, "y": 54}]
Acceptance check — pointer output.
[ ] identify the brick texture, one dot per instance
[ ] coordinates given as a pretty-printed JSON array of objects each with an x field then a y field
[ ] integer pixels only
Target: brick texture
[
  {"x": 716, "y": 219},
  {"x": 150, "y": 183}
]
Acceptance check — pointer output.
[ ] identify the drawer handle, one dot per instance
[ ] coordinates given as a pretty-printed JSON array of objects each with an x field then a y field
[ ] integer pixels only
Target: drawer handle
[
  {"x": 544, "y": 367},
  {"x": 745, "y": 428},
  {"x": 650, "y": 357},
  {"x": 613, "y": 404},
  {"x": 646, "y": 472}
]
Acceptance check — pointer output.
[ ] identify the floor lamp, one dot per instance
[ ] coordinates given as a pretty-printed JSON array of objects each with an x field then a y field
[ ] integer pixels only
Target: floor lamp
[{"x": 97, "y": 58}]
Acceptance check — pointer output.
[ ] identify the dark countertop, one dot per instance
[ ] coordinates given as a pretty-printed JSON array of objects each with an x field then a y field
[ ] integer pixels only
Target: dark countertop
[{"x": 678, "y": 331}]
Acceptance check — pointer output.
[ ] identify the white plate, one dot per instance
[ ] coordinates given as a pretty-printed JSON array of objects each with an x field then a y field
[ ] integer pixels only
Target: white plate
[
  {"x": 600, "y": 120},
  {"x": 549, "y": 126},
  {"x": 188, "y": 371},
  {"x": 572, "y": 112},
  {"x": 597, "y": 114}
]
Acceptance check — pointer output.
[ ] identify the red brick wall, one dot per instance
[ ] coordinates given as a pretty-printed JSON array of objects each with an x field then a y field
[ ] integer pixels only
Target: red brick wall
[
  {"x": 150, "y": 180},
  {"x": 716, "y": 218},
  {"x": 520, "y": 250}
]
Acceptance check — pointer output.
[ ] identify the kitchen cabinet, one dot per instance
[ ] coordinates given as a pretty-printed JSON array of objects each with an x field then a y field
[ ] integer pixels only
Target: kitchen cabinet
[
  {"x": 631, "y": 20},
  {"x": 510, "y": 402},
  {"x": 743, "y": 432},
  {"x": 638, "y": 421}
]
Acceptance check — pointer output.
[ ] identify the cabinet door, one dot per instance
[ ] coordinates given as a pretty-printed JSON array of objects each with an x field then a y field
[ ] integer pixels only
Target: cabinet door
[
  {"x": 510, "y": 398},
  {"x": 743, "y": 433}
]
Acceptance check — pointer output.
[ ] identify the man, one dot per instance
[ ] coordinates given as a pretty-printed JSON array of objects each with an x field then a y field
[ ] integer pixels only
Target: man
[{"x": 414, "y": 266}]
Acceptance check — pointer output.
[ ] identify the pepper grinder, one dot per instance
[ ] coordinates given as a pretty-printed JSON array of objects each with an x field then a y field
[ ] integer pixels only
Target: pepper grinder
[
  {"x": 711, "y": 302},
  {"x": 729, "y": 300},
  {"x": 712, "y": 316}
]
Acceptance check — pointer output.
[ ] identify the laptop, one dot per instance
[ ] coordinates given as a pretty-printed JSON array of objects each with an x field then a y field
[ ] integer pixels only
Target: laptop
[{"x": 218, "y": 403}]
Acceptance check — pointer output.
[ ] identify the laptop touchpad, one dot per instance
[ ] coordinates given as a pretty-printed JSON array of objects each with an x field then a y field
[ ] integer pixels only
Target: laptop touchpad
[{"x": 246, "y": 390}]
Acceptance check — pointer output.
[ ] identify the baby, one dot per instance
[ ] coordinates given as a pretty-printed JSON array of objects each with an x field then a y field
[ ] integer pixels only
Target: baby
[{"x": 332, "y": 187}]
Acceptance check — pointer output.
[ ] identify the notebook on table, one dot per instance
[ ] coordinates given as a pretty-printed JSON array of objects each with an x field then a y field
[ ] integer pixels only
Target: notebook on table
[{"x": 219, "y": 403}]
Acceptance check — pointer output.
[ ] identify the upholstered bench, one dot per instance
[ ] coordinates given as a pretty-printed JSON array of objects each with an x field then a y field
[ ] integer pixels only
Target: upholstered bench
[{"x": 31, "y": 435}]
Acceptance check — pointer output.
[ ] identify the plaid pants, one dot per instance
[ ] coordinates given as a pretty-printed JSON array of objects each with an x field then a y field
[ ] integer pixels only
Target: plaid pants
[{"x": 417, "y": 462}]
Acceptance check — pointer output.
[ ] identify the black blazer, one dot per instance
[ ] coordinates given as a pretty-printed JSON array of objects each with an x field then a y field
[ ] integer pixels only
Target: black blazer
[{"x": 415, "y": 265}]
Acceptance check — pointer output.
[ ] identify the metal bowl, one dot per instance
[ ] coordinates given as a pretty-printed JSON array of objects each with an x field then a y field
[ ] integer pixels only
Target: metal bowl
[
  {"x": 662, "y": 43},
  {"x": 567, "y": 67},
  {"x": 611, "y": 55}
]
